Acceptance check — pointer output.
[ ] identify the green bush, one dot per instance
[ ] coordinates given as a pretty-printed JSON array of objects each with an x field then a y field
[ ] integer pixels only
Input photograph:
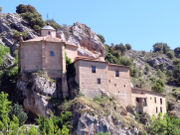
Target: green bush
[
  {"x": 16, "y": 35},
  {"x": 101, "y": 38},
  {"x": 30, "y": 14},
  {"x": 170, "y": 54},
  {"x": 128, "y": 46},
  {"x": 164, "y": 125},
  {"x": 158, "y": 86},
  {"x": 176, "y": 94},
  {"x": 161, "y": 48},
  {"x": 18, "y": 111},
  {"x": 54, "y": 24},
  {"x": 3, "y": 51}
]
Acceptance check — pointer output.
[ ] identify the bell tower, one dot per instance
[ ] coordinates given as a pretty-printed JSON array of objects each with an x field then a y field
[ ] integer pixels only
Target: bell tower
[{"x": 48, "y": 31}]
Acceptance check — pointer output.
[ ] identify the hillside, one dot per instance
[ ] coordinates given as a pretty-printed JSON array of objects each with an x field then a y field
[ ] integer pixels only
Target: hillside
[{"x": 31, "y": 94}]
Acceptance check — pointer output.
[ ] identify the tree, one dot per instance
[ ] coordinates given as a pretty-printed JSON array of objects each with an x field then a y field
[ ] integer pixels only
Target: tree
[
  {"x": 128, "y": 46},
  {"x": 18, "y": 111},
  {"x": 101, "y": 38},
  {"x": 158, "y": 86},
  {"x": 161, "y": 48},
  {"x": 164, "y": 125},
  {"x": 0, "y": 9},
  {"x": 176, "y": 74},
  {"x": 54, "y": 24},
  {"x": 30, "y": 14}
]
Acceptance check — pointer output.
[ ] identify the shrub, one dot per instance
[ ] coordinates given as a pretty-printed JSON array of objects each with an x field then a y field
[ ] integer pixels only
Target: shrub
[
  {"x": 128, "y": 46},
  {"x": 126, "y": 61},
  {"x": 3, "y": 51},
  {"x": 170, "y": 54},
  {"x": 164, "y": 125},
  {"x": 176, "y": 74},
  {"x": 30, "y": 14},
  {"x": 18, "y": 111},
  {"x": 161, "y": 48},
  {"x": 158, "y": 86},
  {"x": 176, "y": 94},
  {"x": 101, "y": 38},
  {"x": 16, "y": 35},
  {"x": 54, "y": 24}
]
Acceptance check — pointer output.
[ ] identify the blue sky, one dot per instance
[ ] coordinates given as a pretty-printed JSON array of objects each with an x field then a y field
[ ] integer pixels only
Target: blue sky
[{"x": 140, "y": 23}]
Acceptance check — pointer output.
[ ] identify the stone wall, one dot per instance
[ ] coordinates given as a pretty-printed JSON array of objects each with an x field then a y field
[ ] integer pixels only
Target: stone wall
[
  {"x": 71, "y": 52},
  {"x": 31, "y": 56},
  {"x": 119, "y": 86},
  {"x": 154, "y": 105}
]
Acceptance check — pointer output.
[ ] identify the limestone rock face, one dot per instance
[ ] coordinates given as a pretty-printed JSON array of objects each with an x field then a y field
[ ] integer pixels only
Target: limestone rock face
[
  {"x": 91, "y": 124},
  {"x": 87, "y": 41},
  {"x": 11, "y": 23},
  {"x": 36, "y": 90}
]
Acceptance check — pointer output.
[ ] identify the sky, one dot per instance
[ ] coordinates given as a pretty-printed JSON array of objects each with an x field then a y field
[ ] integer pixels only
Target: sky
[{"x": 140, "y": 23}]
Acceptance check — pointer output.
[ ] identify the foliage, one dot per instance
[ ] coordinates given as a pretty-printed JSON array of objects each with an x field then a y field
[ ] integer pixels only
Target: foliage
[
  {"x": 3, "y": 51},
  {"x": 0, "y": 9},
  {"x": 30, "y": 14},
  {"x": 161, "y": 48},
  {"x": 176, "y": 73},
  {"x": 170, "y": 54},
  {"x": 128, "y": 46},
  {"x": 158, "y": 86},
  {"x": 176, "y": 94},
  {"x": 18, "y": 111},
  {"x": 101, "y": 38},
  {"x": 164, "y": 125},
  {"x": 54, "y": 24},
  {"x": 16, "y": 35},
  {"x": 55, "y": 125},
  {"x": 147, "y": 69},
  {"x": 68, "y": 60},
  {"x": 33, "y": 131}
]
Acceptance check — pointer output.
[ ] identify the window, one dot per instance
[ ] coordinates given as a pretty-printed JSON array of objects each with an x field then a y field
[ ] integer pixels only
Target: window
[
  {"x": 156, "y": 110},
  {"x": 98, "y": 81},
  {"x": 161, "y": 109},
  {"x": 154, "y": 99},
  {"x": 117, "y": 73},
  {"x": 51, "y": 53},
  {"x": 145, "y": 102},
  {"x": 49, "y": 33},
  {"x": 93, "y": 69},
  {"x": 161, "y": 101}
]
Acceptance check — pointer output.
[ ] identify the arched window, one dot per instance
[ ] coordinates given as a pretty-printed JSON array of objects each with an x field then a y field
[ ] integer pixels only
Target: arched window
[{"x": 49, "y": 33}]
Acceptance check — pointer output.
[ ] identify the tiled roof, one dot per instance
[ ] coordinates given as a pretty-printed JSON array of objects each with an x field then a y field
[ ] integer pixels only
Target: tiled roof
[
  {"x": 97, "y": 60},
  {"x": 142, "y": 91},
  {"x": 49, "y": 39}
]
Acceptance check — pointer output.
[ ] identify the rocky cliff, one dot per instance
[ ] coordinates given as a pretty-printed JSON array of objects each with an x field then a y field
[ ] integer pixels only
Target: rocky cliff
[
  {"x": 89, "y": 44},
  {"x": 11, "y": 23}
]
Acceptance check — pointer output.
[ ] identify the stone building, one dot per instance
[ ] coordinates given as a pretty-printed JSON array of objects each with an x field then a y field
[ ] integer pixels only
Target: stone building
[{"x": 93, "y": 76}]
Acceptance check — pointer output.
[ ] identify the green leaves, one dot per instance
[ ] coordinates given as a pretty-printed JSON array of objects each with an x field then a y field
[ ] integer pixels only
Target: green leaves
[{"x": 164, "y": 125}]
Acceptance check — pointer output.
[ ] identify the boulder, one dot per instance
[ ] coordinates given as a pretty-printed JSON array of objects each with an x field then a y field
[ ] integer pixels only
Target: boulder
[
  {"x": 89, "y": 44},
  {"x": 37, "y": 89}
]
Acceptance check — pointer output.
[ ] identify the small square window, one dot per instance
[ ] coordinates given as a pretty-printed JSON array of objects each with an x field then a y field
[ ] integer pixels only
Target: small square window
[
  {"x": 93, "y": 68},
  {"x": 117, "y": 73},
  {"x": 49, "y": 33},
  {"x": 51, "y": 53},
  {"x": 99, "y": 81}
]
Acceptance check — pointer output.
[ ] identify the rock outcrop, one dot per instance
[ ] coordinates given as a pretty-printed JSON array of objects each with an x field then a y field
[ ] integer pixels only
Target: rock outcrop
[
  {"x": 89, "y": 44},
  {"x": 11, "y": 23},
  {"x": 37, "y": 90}
]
